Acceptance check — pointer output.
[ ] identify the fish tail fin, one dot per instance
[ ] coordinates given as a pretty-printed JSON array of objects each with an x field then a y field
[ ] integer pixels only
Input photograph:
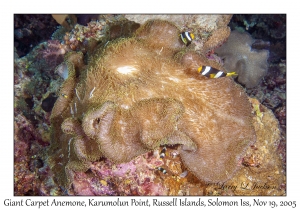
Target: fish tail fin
[
  {"x": 231, "y": 74},
  {"x": 199, "y": 69}
]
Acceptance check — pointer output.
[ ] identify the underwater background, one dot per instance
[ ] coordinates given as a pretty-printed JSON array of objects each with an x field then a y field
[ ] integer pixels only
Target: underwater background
[{"x": 41, "y": 42}]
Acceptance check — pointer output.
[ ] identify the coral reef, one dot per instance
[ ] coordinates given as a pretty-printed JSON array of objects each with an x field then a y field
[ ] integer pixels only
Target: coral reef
[
  {"x": 268, "y": 27},
  {"x": 251, "y": 65},
  {"x": 136, "y": 177},
  {"x": 30, "y": 30},
  {"x": 261, "y": 170},
  {"x": 54, "y": 52},
  {"x": 263, "y": 26},
  {"x": 27, "y": 160},
  {"x": 34, "y": 83},
  {"x": 86, "y": 108},
  {"x": 207, "y": 23},
  {"x": 265, "y": 174},
  {"x": 272, "y": 93},
  {"x": 85, "y": 38},
  {"x": 78, "y": 38},
  {"x": 125, "y": 104},
  {"x": 269, "y": 30},
  {"x": 209, "y": 30}
]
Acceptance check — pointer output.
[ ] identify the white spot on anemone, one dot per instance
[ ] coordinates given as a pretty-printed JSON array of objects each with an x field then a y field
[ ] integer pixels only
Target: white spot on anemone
[
  {"x": 174, "y": 79},
  {"x": 126, "y": 69}
]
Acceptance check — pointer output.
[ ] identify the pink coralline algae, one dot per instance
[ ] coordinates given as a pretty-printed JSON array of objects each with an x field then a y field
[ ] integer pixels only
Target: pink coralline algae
[
  {"x": 54, "y": 52},
  {"x": 27, "y": 141},
  {"x": 137, "y": 177}
]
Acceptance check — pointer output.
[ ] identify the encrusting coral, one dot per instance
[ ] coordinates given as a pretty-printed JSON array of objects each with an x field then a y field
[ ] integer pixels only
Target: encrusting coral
[
  {"x": 136, "y": 95},
  {"x": 210, "y": 31},
  {"x": 251, "y": 65}
]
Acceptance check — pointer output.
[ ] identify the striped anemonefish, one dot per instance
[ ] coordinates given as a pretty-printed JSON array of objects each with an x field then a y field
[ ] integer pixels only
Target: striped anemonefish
[
  {"x": 163, "y": 152},
  {"x": 211, "y": 72},
  {"x": 187, "y": 37},
  {"x": 164, "y": 171}
]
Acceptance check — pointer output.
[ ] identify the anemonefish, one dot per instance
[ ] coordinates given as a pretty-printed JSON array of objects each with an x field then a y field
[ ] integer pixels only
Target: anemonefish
[
  {"x": 211, "y": 72},
  {"x": 187, "y": 37},
  {"x": 164, "y": 171},
  {"x": 163, "y": 152}
]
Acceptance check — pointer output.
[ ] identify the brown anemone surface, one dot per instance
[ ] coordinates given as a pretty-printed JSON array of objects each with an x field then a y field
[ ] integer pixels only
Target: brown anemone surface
[{"x": 141, "y": 92}]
